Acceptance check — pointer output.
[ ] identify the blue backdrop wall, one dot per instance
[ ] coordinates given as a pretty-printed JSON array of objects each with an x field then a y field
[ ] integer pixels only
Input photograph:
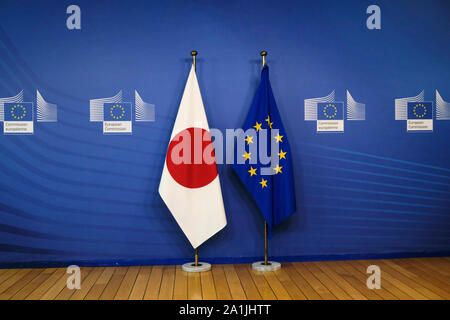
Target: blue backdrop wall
[{"x": 68, "y": 193}]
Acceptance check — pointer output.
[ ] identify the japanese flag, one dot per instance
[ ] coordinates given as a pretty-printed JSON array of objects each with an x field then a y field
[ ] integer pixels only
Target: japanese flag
[{"x": 190, "y": 185}]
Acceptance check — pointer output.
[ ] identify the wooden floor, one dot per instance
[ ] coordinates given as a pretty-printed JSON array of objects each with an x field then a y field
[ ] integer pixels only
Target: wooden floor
[{"x": 418, "y": 278}]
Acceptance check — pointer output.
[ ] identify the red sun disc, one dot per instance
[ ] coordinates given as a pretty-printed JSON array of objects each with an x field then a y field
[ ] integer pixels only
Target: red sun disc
[{"x": 191, "y": 159}]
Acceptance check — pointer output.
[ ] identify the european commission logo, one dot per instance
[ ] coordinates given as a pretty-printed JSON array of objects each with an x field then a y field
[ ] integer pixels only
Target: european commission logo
[
  {"x": 18, "y": 116},
  {"x": 117, "y": 116},
  {"x": 419, "y": 114},
  {"x": 330, "y": 116},
  {"x": 329, "y": 113}
]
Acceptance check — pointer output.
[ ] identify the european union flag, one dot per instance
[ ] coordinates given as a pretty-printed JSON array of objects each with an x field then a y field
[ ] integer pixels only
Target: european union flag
[
  {"x": 420, "y": 110},
  {"x": 117, "y": 111},
  {"x": 274, "y": 193},
  {"x": 18, "y": 111},
  {"x": 330, "y": 111}
]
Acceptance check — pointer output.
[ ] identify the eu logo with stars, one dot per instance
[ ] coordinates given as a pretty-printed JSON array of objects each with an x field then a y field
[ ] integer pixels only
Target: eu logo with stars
[
  {"x": 117, "y": 117},
  {"x": 419, "y": 116},
  {"x": 117, "y": 111},
  {"x": 18, "y": 118},
  {"x": 330, "y": 117},
  {"x": 330, "y": 111},
  {"x": 420, "y": 110},
  {"x": 22, "y": 111}
]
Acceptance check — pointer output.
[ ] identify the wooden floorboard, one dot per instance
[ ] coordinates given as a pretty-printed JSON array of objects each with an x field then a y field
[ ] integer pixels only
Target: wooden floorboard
[
  {"x": 249, "y": 286},
  {"x": 261, "y": 284},
  {"x": 350, "y": 290},
  {"x": 425, "y": 277},
  {"x": 167, "y": 283},
  {"x": 56, "y": 288},
  {"x": 13, "y": 279},
  {"x": 391, "y": 286},
  {"x": 405, "y": 279},
  {"x": 438, "y": 266},
  {"x": 301, "y": 282},
  {"x": 87, "y": 283},
  {"x": 33, "y": 284},
  {"x": 39, "y": 291},
  {"x": 399, "y": 282},
  {"x": 154, "y": 283},
  {"x": 276, "y": 286},
  {"x": 236, "y": 289},
  {"x": 7, "y": 273},
  {"x": 194, "y": 286},
  {"x": 357, "y": 279},
  {"x": 314, "y": 282},
  {"x": 114, "y": 283},
  {"x": 220, "y": 283},
  {"x": 410, "y": 279},
  {"x": 124, "y": 291},
  {"x": 208, "y": 286},
  {"x": 22, "y": 282},
  {"x": 332, "y": 286},
  {"x": 100, "y": 284},
  {"x": 67, "y": 293},
  {"x": 140, "y": 284},
  {"x": 387, "y": 291},
  {"x": 180, "y": 290}
]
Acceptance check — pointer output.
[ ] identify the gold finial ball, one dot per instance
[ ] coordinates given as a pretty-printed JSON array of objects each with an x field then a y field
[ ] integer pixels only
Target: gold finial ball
[
  {"x": 194, "y": 53},
  {"x": 263, "y": 53}
]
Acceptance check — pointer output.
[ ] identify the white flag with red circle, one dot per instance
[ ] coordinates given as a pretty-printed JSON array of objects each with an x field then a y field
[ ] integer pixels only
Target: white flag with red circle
[{"x": 190, "y": 185}]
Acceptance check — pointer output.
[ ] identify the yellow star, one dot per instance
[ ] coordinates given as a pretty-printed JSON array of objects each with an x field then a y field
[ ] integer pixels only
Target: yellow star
[
  {"x": 277, "y": 169},
  {"x": 263, "y": 183},
  {"x": 246, "y": 155},
  {"x": 268, "y": 122},
  {"x": 249, "y": 139},
  {"x": 257, "y": 126},
  {"x": 252, "y": 171},
  {"x": 282, "y": 154},
  {"x": 279, "y": 138}
]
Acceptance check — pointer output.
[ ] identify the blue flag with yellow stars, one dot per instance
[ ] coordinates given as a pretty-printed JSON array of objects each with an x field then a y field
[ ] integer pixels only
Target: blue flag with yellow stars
[
  {"x": 117, "y": 111},
  {"x": 420, "y": 110},
  {"x": 271, "y": 184},
  {"x": 19, "y": 111}
]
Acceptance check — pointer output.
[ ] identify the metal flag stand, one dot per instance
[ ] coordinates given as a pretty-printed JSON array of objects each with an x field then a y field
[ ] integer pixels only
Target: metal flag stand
[
  {"x": 265, "y": 265},
  {"x": 195, "y": 266}
]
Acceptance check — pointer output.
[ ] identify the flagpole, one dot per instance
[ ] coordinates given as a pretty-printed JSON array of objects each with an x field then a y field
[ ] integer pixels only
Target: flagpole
[
  {"x": 196, "y": 266},
  {"x": 196, "y": 257},
  {"x": 265, "y": 265},
  {"x": 194, "y": 54},
  {"x": 263, "y": 55},
  {"x": 265, "y": 244}
]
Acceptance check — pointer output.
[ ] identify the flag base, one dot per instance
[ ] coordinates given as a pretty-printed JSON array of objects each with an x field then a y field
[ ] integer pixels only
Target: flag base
[
  {"x": 270, "y": 266},
  {"x": 200, "y": 267}
]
